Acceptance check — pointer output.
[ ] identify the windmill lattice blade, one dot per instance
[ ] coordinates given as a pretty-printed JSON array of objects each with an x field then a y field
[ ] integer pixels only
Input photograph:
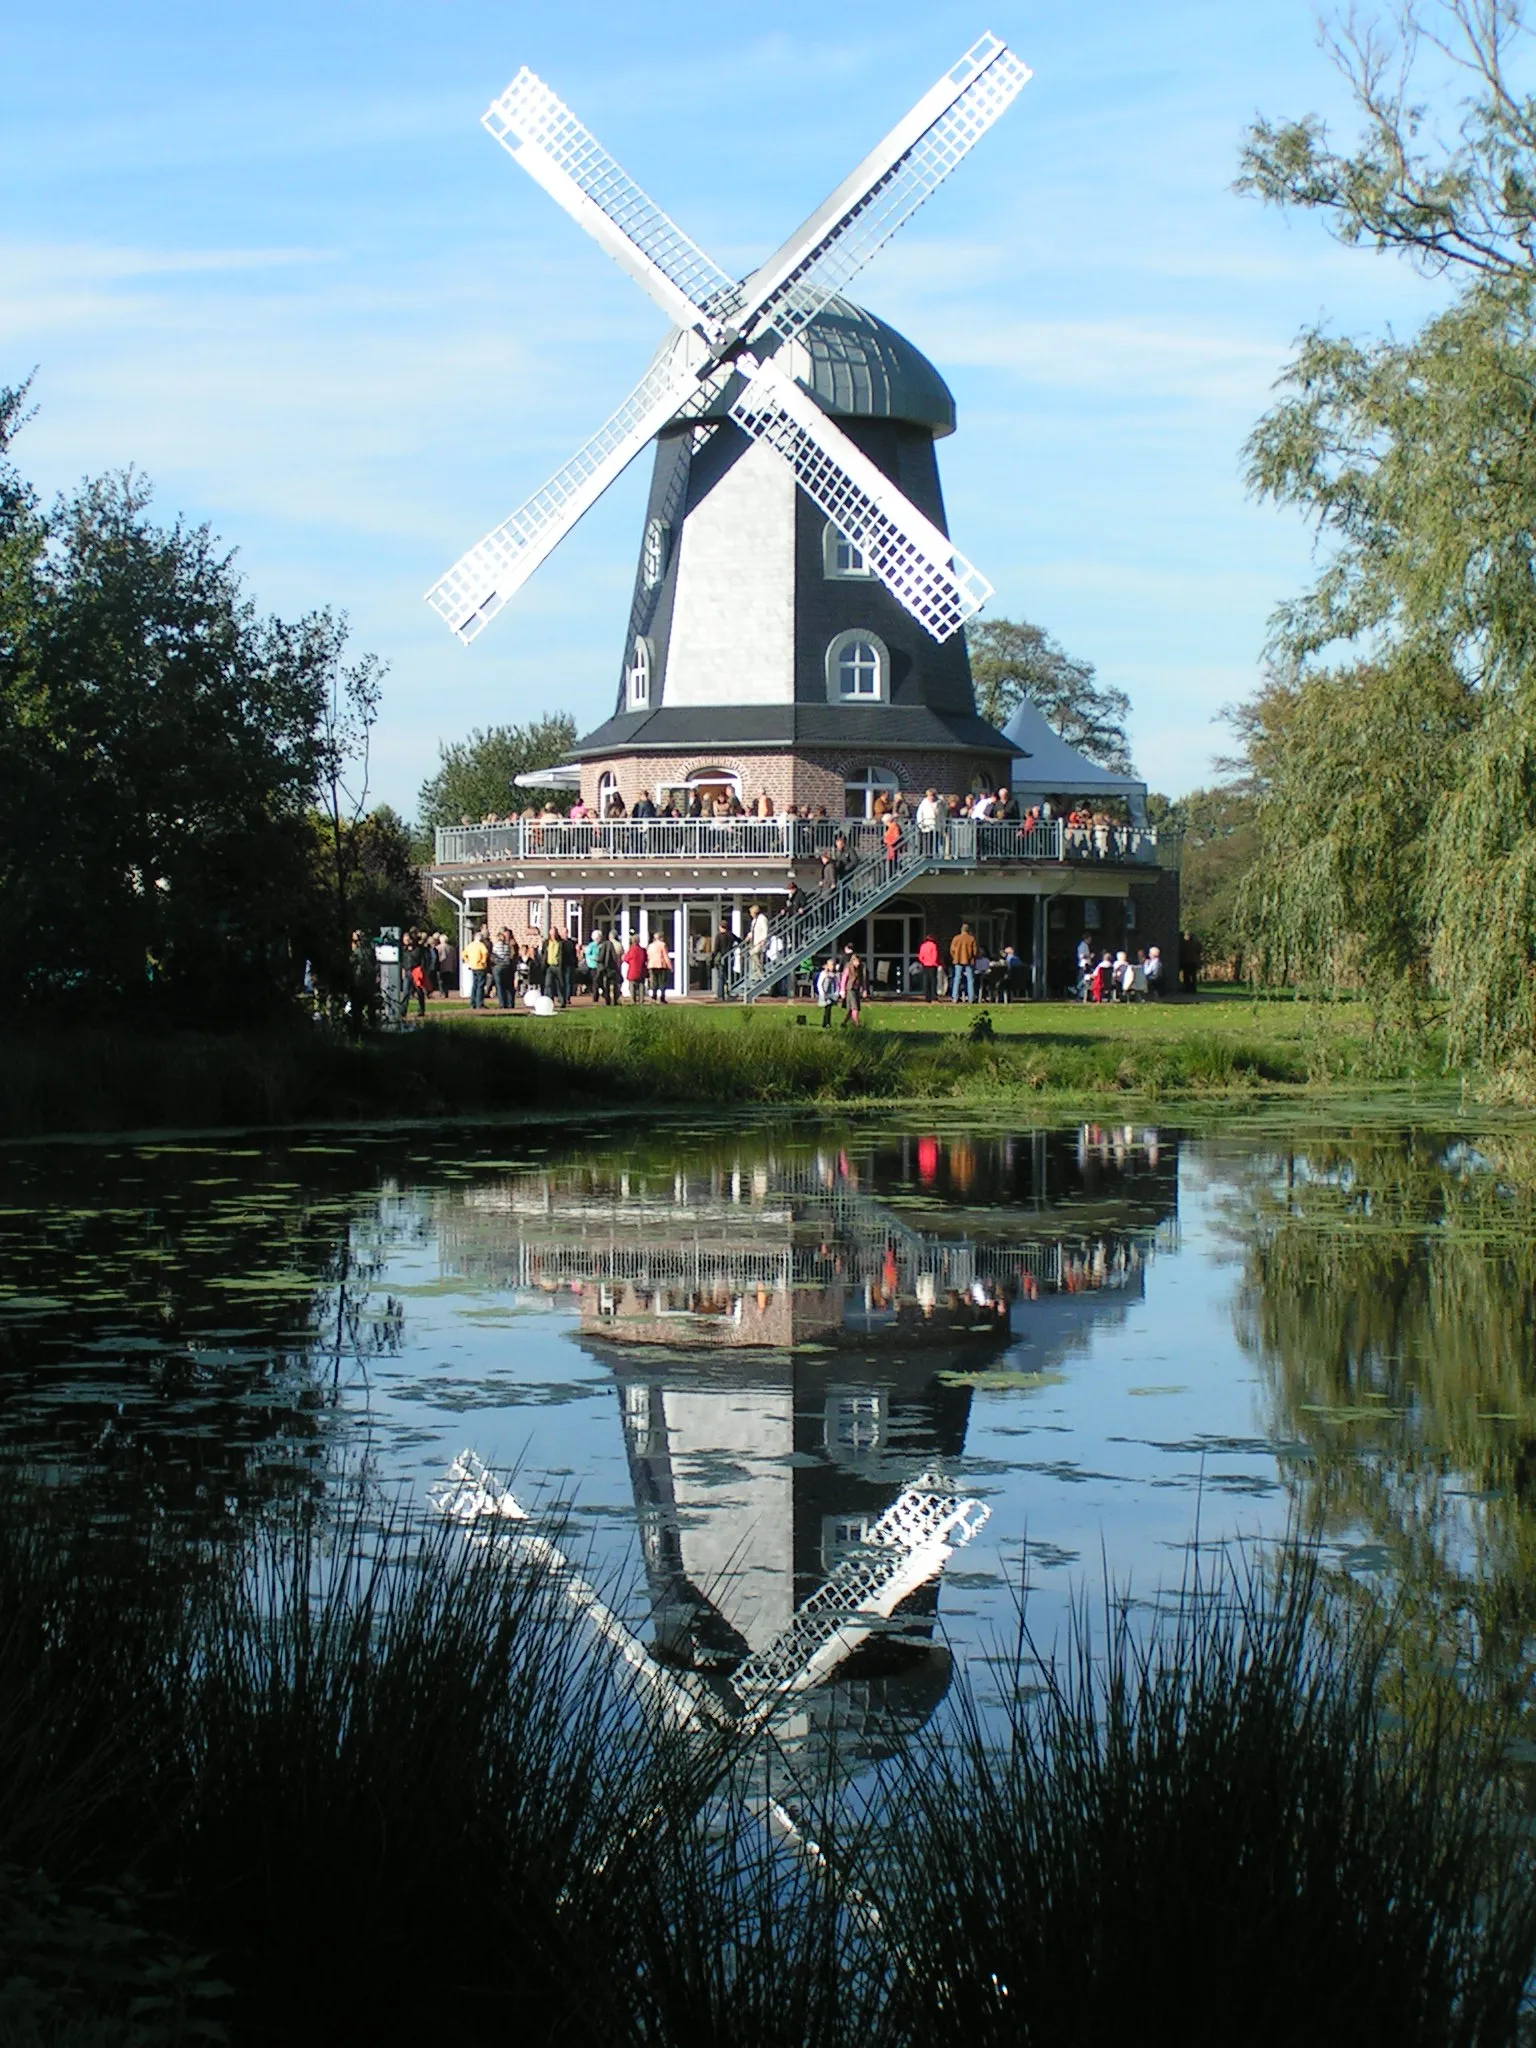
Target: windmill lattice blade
[
  {"x": 919, "y": 565},
  {"x": 479, "y": 583},
  {"x": 884, "y": 191},
  {"x": 551, "y": 144}
]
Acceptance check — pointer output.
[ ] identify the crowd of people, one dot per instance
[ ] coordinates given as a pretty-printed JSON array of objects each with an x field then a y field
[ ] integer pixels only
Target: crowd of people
[
  {"x": 1105, "y": 977},
  {"x": 502, "y": 972},
  {"x": 1086, "y": 834}
]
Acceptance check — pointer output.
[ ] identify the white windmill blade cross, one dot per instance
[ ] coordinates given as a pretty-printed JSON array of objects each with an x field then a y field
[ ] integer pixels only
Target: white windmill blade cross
[
  {"x": 920, "y": 566},
  {"x": 480, "y": 582},
  {"x": 882, "y": 192},
  {"x": 537, "y": 128}
]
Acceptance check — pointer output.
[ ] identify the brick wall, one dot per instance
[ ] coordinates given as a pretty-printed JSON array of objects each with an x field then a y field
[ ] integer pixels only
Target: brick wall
[{"x": 811, "y": 779}]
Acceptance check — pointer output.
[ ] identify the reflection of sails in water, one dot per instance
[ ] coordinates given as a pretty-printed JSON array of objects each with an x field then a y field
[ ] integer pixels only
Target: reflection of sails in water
[{"x": 907, "y": 1547}]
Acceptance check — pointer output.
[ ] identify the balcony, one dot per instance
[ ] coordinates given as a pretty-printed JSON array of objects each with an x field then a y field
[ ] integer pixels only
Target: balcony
[{"x": 470, "y": 850}]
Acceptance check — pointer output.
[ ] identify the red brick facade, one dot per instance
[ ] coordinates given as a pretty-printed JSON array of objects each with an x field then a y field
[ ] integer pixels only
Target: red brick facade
[{"x": 809, "y": 779}]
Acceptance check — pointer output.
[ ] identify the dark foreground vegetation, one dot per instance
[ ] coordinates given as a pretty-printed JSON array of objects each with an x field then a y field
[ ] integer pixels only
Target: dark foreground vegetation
[
  {"x": 106, "y": 1078},
  {"x": 381, "y": 1784}
]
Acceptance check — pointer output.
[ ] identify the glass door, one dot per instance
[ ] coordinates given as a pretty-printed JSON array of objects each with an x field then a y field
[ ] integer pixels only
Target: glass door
[{"x": 703, "y": 923}]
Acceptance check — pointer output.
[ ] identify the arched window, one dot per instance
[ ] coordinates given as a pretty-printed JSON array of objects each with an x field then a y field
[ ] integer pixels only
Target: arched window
[
  {"x": 607, "y": 790},
  {"x": 858, "y": 668},
  {"x": 842, "y": 559},
  {"x": 638, "y": 675},
  {"x": 861, "y": 787}
]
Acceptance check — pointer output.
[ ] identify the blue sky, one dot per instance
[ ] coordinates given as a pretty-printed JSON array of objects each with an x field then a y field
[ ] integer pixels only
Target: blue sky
[{"x": 268, "y": 255}]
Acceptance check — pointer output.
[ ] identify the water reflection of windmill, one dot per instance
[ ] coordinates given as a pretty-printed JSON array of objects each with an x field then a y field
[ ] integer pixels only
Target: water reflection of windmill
[{"x": 791, "y": 1335}]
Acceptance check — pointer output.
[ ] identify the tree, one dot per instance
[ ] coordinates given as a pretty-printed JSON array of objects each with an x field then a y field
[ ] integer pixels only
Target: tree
[
  {"x": 1011, "y": 660},
  {"x": 476, "y": 777},
  {"x": 161, "y": 747},
  {"x": 1412, "y": 659},
  {"x": 1218, "y": 844}
]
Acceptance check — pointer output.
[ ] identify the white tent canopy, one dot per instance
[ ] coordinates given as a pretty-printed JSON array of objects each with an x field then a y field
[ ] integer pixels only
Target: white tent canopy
[
  {"x": 1053, "y": 769},
  {"x": 566, "y": 776}
]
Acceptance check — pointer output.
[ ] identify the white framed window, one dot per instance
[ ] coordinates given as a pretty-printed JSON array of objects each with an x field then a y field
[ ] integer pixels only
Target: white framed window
[
  {"x": 861, "y": 789},
  {"x": 858, "y": 668},
  {"x": 573, "y": 909},
  {"x": 638, "y": 675},
  {"x": 842, "y": 560},
  {"x": 855, "y": 1422},
  {"x": 653, "y": 553},
  {"x": 607, "y": 790},
  {"x": 536, "y": 913}
]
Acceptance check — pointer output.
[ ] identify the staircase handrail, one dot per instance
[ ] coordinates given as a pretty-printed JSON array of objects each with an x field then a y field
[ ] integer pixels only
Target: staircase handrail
[{"x": 800, "y": 932}]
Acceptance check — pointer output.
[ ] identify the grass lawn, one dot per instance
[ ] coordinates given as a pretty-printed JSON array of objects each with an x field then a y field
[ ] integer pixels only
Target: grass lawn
[
  {"x": 1218, "y": 1043},
  {"x": 1223, "y": 1049}
]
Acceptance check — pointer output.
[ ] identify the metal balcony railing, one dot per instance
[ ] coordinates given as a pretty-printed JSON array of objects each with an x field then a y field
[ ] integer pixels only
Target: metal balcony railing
[{"x": 537, "y": 842}]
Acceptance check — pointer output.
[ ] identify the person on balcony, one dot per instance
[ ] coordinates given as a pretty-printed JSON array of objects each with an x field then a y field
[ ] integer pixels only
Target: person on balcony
[
  {"x": 930, "y": 816},
  {"x": 1005, "y": 807},
  {"x": 695, "y": 804},
  {"x": 962, "y": 959},
  {"x": 981, "y": 807},
  {"x": 764, "y": 805},
  {"x": 644, "y": 808},
  {"x": 928, "y": 965}
]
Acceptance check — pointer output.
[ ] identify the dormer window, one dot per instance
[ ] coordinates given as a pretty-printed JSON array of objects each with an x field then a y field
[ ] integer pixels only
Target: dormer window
[
  {"x": 858, "y": 669},
  {"x": 637, "y": 676},
  {"x": 842, "y": 560}
]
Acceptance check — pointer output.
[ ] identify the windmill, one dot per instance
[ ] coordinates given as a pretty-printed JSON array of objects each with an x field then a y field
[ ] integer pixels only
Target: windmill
[{"x": 721, "y": 359}]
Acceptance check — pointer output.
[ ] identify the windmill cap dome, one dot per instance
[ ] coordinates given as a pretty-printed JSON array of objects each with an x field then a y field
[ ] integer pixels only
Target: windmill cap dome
[{"x": 857, "y": 366}]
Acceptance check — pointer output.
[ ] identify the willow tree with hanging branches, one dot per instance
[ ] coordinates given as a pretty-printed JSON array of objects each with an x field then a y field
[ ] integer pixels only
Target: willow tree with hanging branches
[{"x": 1395, "y": 759}]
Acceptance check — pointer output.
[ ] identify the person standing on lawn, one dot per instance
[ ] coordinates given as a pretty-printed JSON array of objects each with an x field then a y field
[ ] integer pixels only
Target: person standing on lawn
[
  {"x": 962, "y": 959},
  {"x": 477, "y": 958},
  {"x": 634, "y": 969},
  {"x": 658, "y": 963},
  {"x": 928, "y": 966},
  {"x": 851, "y": 986},
  {"x": 826, "y": 990}
]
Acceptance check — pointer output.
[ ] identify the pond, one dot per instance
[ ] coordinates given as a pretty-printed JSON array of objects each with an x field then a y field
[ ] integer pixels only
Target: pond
[{"x": 721, "y": 1356}]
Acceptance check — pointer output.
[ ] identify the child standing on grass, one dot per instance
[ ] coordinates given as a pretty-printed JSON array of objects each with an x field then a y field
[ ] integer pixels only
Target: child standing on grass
[{"x": 826, "y": 990}]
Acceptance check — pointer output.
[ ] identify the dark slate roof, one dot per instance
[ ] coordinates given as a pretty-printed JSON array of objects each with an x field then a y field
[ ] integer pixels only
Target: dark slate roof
[
  {"x": 856, "y": 365},
  {"x": 879, "y": 727}
]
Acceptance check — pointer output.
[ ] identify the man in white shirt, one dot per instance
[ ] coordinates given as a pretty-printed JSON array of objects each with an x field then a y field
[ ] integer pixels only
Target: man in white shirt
[
  {"x": 929, "y": 816},
  {"x": 757, "y": 937}
]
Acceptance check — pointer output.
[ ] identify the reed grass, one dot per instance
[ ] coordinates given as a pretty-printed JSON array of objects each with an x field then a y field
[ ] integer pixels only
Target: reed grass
[
  {"x": 385, "y": 1785},
  {"x": 99, "y": 1077}
]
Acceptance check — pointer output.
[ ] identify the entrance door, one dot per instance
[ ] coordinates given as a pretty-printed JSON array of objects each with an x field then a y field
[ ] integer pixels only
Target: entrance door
[
  {"x": 703, "y": 923},
  {"x": 893, "y": 940}
]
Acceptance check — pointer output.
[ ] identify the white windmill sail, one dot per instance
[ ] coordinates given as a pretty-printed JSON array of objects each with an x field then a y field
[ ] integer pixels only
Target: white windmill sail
[
  {"x": 919, "y": 565},
  {"x": 566, "y": 158},
  {"x": 885, "y": 190},
  {"x": 480, "y": 582}
]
